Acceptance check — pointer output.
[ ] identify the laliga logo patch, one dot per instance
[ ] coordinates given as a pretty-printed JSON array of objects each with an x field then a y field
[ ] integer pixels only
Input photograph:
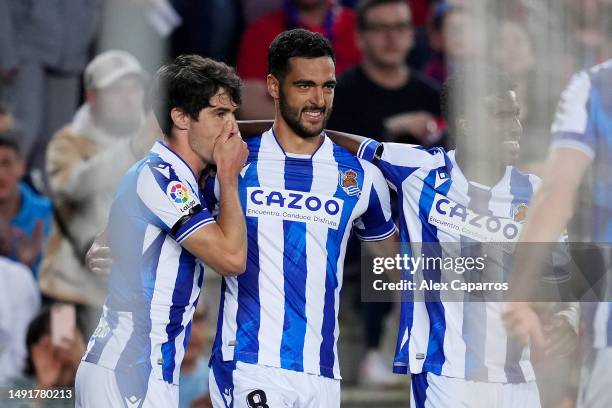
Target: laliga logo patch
[
  {"x": 178, "y": 192},
  {"x": 519, "y": 212},
  {"x": 348, "y": 182},
  {"x": 181, "y": 197}
]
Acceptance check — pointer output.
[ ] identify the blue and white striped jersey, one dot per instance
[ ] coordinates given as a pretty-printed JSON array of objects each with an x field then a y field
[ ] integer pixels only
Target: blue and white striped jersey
[
  {"x": 300, "y": 210},
  {"x": 437, "y": 204},
  {"x": 154, "y": 283},
  {"x": 584, "y": 121}
]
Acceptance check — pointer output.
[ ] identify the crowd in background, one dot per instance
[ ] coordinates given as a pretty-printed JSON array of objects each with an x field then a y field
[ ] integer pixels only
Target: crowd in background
[{"x": 73, "y": 80}]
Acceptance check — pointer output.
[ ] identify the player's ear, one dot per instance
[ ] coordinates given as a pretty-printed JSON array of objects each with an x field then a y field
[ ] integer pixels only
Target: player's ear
[
  {"x": 273, "y": 86},
  {"x": 180, "y": 118}
]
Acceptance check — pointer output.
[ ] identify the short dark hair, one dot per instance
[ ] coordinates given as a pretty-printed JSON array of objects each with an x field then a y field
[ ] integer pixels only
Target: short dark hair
[
  {"x": 451, "y": 100},
  {"x": 296, "y": 43},
  {"x": 365, "y": 5},
  {"x": 188, "y": 83},
  {"x": 10, "y": 140}
]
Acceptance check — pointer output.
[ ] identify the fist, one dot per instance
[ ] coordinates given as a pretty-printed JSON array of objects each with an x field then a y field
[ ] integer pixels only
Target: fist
[{"x": 230, "y": 152}]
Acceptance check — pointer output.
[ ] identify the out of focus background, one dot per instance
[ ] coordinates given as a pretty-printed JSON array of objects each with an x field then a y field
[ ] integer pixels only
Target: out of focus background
[{"x": 73, "y": 80}]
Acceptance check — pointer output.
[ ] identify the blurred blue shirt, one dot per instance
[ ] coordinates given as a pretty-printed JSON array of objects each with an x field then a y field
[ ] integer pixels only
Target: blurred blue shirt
[{"x": 34, "y": 207}]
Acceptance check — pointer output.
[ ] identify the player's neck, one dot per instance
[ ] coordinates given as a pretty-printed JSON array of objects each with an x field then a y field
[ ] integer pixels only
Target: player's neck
[
  {"x": 9, "y": 208},
  {"x": 314, "y": 16},
  {"x": 490, "y": 177},
  {"x": 195, "y": 163},
  {"x": 291, "y": 142},
  {"x": 388, "y": 77}
]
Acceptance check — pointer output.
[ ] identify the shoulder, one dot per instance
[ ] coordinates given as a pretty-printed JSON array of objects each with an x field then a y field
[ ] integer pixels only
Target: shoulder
[
  {"x": 40, "y": 204},
  {"x": 153, "y": 171},
  {"x": 527, "y": 178},
  {"x": 410, "y": 155}
]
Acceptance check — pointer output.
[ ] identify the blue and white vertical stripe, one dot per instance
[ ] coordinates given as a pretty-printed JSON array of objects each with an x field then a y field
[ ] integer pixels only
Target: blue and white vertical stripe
[
  {"x": 282, "y": 312},
  {"x": 454, "y": 339},
  {"x": 154, "y": 283}
]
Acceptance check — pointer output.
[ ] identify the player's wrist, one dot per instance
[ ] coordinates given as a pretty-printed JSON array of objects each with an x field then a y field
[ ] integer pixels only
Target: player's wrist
[{"x": 227, "y": 179}]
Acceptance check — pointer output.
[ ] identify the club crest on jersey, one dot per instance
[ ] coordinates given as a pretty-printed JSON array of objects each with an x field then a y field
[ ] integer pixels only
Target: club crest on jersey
[
  {"x": 181, "y": 197},
  {"x": 348, "y": 182},
  {"x": 519, "y": 212}
]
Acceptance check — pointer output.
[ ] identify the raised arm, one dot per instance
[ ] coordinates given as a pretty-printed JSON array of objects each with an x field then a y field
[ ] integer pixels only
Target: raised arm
[{"x": 222, "y": 245}]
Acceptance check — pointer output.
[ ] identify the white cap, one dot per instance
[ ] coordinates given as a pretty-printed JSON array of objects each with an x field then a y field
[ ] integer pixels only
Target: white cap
[{"x": 110, "y": 66}]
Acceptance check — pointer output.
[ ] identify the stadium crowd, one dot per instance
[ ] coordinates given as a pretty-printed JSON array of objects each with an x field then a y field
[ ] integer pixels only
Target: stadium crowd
[{"x": 73, "y": 120}]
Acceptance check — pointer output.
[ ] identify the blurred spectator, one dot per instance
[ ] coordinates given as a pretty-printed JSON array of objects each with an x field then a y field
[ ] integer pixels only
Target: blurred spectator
[
  {"x": 193, "y": 392},
  {"x": 590, "y": 25},
  {"x": 43, "y": 50},
  {"x": 324, "y": 16},
  {"x": 25, "y": 217},
  {"x": 254, "y": 9},
  {"x": 6, "y": 119},
  {"x": 209, "y": 28},
  {"x": 85, "y": 162},
  {"x": 19, "y": 304},
  {"x": 49, "y": 365},
  {"x": 445, "y": 25},
  {"x": 382, "y": 97},
  {"x": 420, "y": 9}
]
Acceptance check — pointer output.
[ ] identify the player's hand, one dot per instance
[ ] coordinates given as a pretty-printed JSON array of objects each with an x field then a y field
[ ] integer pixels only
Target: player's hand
[
  {"x": 230, "y": 153},
  {"x": 522, "y": 323},
  {"x": 419, "y": 124},
  {"x": 561, "y": 338},
  {"x": 98, "y": 258}
]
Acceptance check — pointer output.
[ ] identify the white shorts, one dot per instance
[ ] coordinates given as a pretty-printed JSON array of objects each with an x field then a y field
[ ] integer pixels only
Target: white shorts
[
  {"x": 241, "y": 385},
  {"x": 99, "y": 387},
  {"x": 434, "y": 391},
  {"x": 595, "y": 390}
]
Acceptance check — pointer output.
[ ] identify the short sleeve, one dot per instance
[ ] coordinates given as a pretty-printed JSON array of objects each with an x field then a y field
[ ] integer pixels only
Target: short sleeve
[
  {"x": 397, "y": 161},
  {"x": 174, "y": 207},
  {"x": 375, "y": 223},
  {"x": 572, "y": 126}
]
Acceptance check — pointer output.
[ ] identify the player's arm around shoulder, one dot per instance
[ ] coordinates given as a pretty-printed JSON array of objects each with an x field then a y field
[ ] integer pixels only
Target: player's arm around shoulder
[{"x": 222, "y": 244}]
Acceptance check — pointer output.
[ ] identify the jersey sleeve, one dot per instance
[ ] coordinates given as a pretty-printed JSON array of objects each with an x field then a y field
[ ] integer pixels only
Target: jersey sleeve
[
  {"x": 396, "y": 161},
  {"x": 573, "y": 127},
  {"x": 375, "y": 223},
  {"x": 173, "y": 206}
]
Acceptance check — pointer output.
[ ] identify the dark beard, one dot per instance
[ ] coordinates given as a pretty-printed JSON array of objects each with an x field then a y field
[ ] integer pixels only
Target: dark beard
[{"x": 292, "y": 117}]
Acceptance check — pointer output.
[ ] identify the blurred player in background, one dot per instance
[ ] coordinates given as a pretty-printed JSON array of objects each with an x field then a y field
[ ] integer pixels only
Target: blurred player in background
[
  {"x": 160, "y": 232},
  {"x": 302, "y": 195},
  {"x": 457, "y": 351},
  {"x": 582, "y": 131}
]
